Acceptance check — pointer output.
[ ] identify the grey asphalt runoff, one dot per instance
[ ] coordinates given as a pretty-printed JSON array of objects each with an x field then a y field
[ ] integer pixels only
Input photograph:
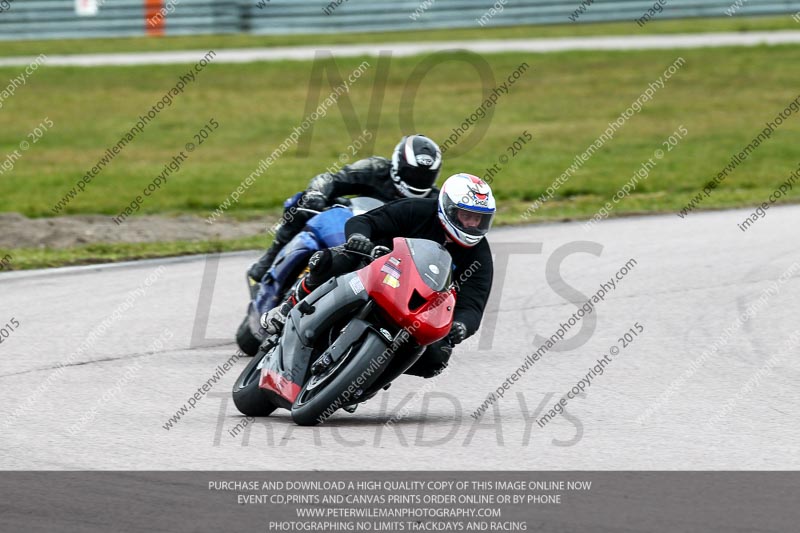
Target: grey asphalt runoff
[
  {"x": 307, "y": 53},
  {"x": 693, "y": 278}
]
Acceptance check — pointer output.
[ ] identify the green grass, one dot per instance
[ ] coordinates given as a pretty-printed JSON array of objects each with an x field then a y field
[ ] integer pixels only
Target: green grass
[
  {"x": 206, "y": 42},
  {"x": 579, "y": 207},
  {"x": 28, "y": 258},
  {"x": 722, "y": 96}
]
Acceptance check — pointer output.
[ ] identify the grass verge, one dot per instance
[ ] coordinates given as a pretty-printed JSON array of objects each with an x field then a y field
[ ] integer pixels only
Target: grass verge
[
  {"x": 722, "y": 96},
  {"x": 30, "y": 258},
  {"x": 561, "y": 210}
]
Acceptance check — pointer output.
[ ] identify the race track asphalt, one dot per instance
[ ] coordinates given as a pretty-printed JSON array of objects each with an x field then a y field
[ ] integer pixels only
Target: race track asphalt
[{"x": 699, "y": 388}]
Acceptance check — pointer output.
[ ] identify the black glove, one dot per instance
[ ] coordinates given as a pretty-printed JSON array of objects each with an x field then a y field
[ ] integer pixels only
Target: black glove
[
  {"x": 359, "y": 243},
  {"x": 313, "y": 200},
  {"x": 458, "y": 332}
]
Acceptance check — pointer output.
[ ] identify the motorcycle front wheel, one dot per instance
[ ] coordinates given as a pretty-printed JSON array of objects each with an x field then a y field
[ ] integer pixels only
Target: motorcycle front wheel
[{"x": 325, "y": 393}]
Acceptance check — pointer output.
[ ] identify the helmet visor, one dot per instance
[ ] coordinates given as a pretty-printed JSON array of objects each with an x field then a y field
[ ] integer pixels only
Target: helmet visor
[
  {"x": 471, "y": 220},
  {"x": 419, "y": 180}
]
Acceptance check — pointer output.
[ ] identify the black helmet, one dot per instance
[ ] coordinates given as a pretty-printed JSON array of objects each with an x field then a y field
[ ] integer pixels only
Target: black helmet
[{"x": 416, "y": 163}]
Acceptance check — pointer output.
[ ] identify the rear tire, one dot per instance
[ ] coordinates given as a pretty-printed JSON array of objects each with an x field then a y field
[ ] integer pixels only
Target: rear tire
[
  {"x": 247, "y": 342},
  {"x": 248, "y": 397},
  {"x": 316, "y": 409}
]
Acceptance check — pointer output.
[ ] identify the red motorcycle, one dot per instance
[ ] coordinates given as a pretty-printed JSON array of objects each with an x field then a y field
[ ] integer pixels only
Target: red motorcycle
[{"x": 353, "y": 335}]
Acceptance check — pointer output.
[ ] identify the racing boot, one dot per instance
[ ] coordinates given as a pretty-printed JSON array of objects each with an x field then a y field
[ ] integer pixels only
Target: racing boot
[
  {"x": 259, "y": 269},
  {"x": 274, "y": 320},
  {"x": 289, "y": 226}
]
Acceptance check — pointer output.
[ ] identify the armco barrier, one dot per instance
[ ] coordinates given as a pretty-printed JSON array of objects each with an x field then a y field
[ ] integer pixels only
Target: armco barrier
[{"x": 51, "y": 19}]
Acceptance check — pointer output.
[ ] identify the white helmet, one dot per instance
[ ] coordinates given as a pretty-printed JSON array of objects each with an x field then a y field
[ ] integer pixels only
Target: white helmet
[{"x": 466, "y": 208}]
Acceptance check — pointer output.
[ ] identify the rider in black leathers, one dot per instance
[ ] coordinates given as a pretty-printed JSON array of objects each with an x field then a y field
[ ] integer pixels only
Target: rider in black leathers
[
  {"x": 459, "y": 220},
  {"x": 411, "y": 173}
]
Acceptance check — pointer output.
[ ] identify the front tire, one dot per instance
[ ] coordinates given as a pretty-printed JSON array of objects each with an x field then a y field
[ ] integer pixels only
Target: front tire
[
  {"x": 247, "y": 342},
  {"x": 311, "y": 409},
  {"x": 248, "y": 397}
]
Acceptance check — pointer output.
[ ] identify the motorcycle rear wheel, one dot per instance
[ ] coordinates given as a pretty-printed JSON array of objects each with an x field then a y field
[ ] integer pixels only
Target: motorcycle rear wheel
[
  {"x": 245, "y": 339},
  {"x": 249, "y": 398}
]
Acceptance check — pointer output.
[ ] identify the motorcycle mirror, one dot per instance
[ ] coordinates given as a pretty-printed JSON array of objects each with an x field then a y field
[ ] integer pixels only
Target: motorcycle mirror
[{"x": 379, "y": 251}]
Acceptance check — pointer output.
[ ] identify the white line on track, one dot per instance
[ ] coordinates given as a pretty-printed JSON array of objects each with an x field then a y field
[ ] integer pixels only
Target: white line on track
[{"x": 304, "y": 53}]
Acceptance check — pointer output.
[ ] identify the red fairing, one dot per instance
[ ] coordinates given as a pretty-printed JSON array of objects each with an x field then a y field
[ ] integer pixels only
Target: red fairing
[
  {"x": 391, "y": 281},
  {"x": 275, "y": 382}
]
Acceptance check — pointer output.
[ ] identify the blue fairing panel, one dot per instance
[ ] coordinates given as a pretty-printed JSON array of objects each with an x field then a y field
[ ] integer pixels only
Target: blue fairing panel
[
  {"x": 328, "y": 226},
  {"x": 323, "y": 231},
  {"x": 290, "y": 260}
]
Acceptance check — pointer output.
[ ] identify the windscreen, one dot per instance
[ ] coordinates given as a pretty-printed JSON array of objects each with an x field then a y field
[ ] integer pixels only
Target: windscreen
[
  {"x": 362, "y": 204},
  {"x": 433, "y": 263}
]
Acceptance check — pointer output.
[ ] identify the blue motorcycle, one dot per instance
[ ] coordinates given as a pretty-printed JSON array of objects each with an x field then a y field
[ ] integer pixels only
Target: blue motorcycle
[{"x": 324, "y": 230}]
